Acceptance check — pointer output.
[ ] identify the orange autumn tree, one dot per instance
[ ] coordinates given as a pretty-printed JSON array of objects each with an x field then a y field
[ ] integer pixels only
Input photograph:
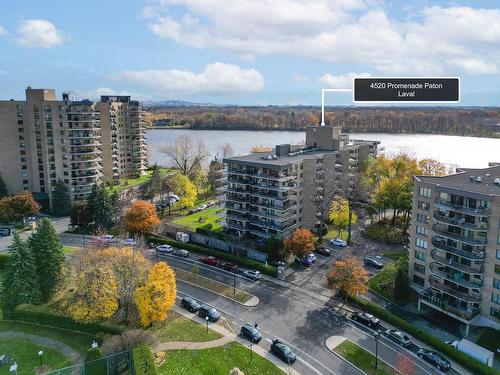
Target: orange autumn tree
[
  {"x": 141, "y": 217},
  {"x": 348, "y": 276},
  {"x": 300, "y": 243},
  {"x": 157, "y": 296}
]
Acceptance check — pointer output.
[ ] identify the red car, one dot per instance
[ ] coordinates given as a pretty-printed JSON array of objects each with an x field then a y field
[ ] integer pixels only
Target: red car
[{"x": 210, "y": 260}]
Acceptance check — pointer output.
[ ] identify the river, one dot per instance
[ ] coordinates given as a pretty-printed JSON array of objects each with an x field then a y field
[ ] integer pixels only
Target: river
[{"x": 470, "y": 152}]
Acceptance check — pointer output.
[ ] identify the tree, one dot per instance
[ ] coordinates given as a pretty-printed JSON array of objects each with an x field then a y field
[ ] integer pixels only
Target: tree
[
  {"x": 92, "y": 295},
  {"x": 20, "y": 283},
  {"x": 81, "y": 214},
  {"x": 157, "y": 297},
  {"x": 260, "y": 148},
  {"x": 185, "y": 189},
  {"x": 432, "y": 167},
  {"x": 61, "y": 201},
  {"x": 300, "y": 243},
  {"x": 141, "y": 217},
  {"x": 3, "y": 188},
  {"x": 17, "y": 207},
  {"x": 275, "y": 249},
  {"x": 154, "y": 185},
  {"x": 357, "y": 198},
  {"x": 100, "y": 203},
  {"x": 186, "y": 155},
  {"x": 47, "y": 252},
  {"x": 401, "y": 286},
  {"x": 348, "y": 276},
  {"x": 115, "y": 205},
  {"x": 339, "y": 214},
  {"x": 313, "y": 119}
]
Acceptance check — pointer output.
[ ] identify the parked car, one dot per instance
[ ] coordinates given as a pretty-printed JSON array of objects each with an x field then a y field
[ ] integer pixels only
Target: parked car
[
  {"x": 129, "y": 242},
  {"x": 435, "y": 359},
  {"x": 398, "y": 337},
  {"x": 252, "y": 274},
  {"x": 250, "y": 332},
  {"x": 312, "y": 256},
  {"x": 231, "y": 267},
  {"x": 181, "y": 253},
  {"x": 323, "y": 251},
  {"x": 207, "y": 311},
  {"x": 190, "y": 304},
  {"x": 106, "y": 239},
  {"x": 202, "y": 207},
  {"x": 306, "y": 261},
  {"x": 210, "y": 260},
  {"x": 164, "y": 249},
  {"x": 283, "y": 352},
  {"x": 366, "y": 319},
  {"x": 374, "y": 263},
  {"x": 338, "y": 242}
]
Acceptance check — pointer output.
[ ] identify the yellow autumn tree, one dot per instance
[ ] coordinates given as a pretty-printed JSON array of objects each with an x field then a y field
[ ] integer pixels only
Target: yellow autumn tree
[
  {"x": 141, "y": 217},
  {"x": 92, "y": 296},
  {"x": 348, "y": 276},
  {"x": 185, "y": 189},
  {"x": 157, "y": 296},
  {"x": 339, "y": 215}
]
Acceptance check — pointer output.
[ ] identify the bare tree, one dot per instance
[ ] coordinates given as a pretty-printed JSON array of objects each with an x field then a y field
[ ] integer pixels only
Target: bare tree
[
  {"x": 186, "y": 155},
  {"x": 357, "y": 198},
  {"x": 322, "y": 200},
  {"x": 223, "y": 151}
]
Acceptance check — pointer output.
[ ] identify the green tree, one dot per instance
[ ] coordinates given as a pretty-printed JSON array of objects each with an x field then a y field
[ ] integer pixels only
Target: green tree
[
  {"x": 3, "y": 188},
  {"x": 81, "y": 214},
  {"x": 401, "y": 286},
  {"x": 47, "y": 252},
  {"x": 61, "y": 201},
  {"x": 20, "y": 283},
  {"x": 185, "y": 189},
  {"x": 115, "y": 205},
  {"x": 154, "y": 185},
  {"x": 102, "y": 210}
]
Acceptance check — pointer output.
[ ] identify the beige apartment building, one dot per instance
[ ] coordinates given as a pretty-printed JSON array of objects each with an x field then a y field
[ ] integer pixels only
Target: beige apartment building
[
  {"x": 454, "y": 252},
  {"x": 271, "y": 194},
  {"x": 45, "y": 139}
]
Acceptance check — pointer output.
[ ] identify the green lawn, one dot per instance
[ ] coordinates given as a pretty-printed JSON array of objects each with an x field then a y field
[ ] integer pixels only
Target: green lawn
[
  {"x": 25, "y": 354},
  {"x": 68, "y": 249},
  {"x": 394, "y": 256},
  {"x": 178, "y": 328},
  {"x": 363, "y": 359},
  {"x": 216, "y": 361},
  {"x": 201, "y": 218},
  {"x": 386, "y": 275},
  {"x": 125, "y": 183}
]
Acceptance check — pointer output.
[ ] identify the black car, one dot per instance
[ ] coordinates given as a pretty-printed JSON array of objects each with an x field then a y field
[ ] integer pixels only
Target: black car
[
  {"x": 374, "y": 263},
  {"x": 190, "y": 304},
  {"x": 250, "y": 332},
  {"x": 435, "y": 359},
  {"x": 366, "y": 319},
  {"x": 283, "y": 352},
  {"x": 323, "y": 251},
  {"x": 231, "y": 267},
  {"x": 207, "y": 311}
]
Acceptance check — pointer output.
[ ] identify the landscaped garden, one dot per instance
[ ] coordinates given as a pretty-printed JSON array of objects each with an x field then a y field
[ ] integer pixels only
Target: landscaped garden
[
  {"x": 202, "y": 219},
  {"x": 178, "y": 328},
  {"x": 363, "y": 359}
]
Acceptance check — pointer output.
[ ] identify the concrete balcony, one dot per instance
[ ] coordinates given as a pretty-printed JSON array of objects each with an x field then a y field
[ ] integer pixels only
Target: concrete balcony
[
  {"x": 439, "y": 270},
  {"x": 456, "y": 265},
  {"x": 447, "y": 206},
  {"x": 461, "y": 223},
  {"x": 442, "y": 231},
  {"x": 462, "y": 253},
  {"x": 448, "y": 306},
  {"x": 466, "y": 297}
]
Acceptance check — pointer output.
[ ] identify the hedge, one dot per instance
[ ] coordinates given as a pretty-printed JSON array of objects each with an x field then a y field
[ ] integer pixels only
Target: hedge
[
  {"x": 465, "y": 360},
  {"x": 266, "y": 269},
  {"x": 39, "y": 315},
  {"x": 3, "y": 260},
  {"x": 144, "y": 363},
  {"x": 95, "y": 364}
]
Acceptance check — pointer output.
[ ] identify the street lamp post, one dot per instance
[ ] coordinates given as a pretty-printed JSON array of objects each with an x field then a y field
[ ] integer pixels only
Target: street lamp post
[
  {"x": 40, "y": 354},
  {"x": 251, "y": 351},
  {"x": 377, "y": 337},
  {"x": 206, "y": 319},
  {"x": 234, "y": 282},
  {"x": 157, "y": 255}
]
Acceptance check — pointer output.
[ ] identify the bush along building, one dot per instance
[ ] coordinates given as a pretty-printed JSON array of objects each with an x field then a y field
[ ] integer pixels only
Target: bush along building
[
  {"x": 272, "y": 193},
  {"x": 454, "y": 259},
  {"x": 45, "y": 139}
]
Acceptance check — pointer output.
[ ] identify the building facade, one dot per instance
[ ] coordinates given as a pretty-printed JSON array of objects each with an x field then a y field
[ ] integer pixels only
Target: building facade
[
  {"x": 45, "y": 139},
  {"x": 454, "y": 252},
  {"x": 271, "y": 194}
]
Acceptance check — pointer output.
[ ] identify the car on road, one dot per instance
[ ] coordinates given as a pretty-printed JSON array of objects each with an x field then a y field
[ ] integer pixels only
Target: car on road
[
  {"x": 338, "y": 242},
  {"x": 202, "y": 207},
  {"x": 231, "y": 267},
  {"x": 323, "y": 251},
  {"x": 210, "y": 260},
  {"x": 371, "y": 262},
  {"x": 312, "y": 256},
  {"x": 164, "y": 249},
  {"x": 250, "y": 332},
  {"x": 129, "y": 242},
  {"x": 365, "y": 319},
  {"x": 105, "y": 239},
  {"x": 283, "y": 352},
  {"x": 206, "y": 311},
  {"x": 435, "y": 359},
  {"x": 398, "y": 337},
  {"x": 252, "y": 274},
  {"x": 190, "y": 304},
  {"x": 181, "y": 253},
  {"x": 306, "y": 261}
]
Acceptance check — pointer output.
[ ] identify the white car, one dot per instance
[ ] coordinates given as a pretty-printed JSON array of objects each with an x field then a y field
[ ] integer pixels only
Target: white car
[
  {"x": 338, "y": 242},
  {"x": 252, "y": 274},
  {"x": 106, "y": 239},
  {"x": 312, "y": 256},
  {"x": 164, "y": 249},
  {"x": 203, "y": 206},
  {"x": 129, "y": 242}
]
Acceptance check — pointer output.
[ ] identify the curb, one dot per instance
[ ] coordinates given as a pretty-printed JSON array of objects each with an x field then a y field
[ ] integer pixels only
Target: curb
[{"x": 332, "y": 339}]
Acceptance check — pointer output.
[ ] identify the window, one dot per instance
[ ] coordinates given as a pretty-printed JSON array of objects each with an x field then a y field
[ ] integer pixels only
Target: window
[
  {"x": 425, "y": 192},
  {"x": 498, "y": 238},
  {"x": 421, "y": 218},
  {"x": 497, "y": 268},
  {"x": 423, "y": 231},
  {"x": 418, "y": 280},
  {"x": 423, "y": 205},
  {"x": 498, "y": 253},
  {"x": 420, "y": 255},
  {"x": 496, "y": 283},
  {"x": 495, "y": 312},
  {"x": 419, "y": 268},
  {"x": 421, "y": 243},
  {"x": 495, "y": 298}
]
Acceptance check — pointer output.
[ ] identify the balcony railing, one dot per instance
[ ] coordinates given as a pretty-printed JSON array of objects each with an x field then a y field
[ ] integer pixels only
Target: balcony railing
[
  {"x": 461, "y": 223},
  {"x": 457, "y": 237},
  {"x": 449, "y": 305},
  {"x": 444, "y": 205},
  {"x": 467, "y": 297},
  {"x": 456, "y": 265},
  {"x": 462, "y": 253},
  {"x": 439, "y": 271}
]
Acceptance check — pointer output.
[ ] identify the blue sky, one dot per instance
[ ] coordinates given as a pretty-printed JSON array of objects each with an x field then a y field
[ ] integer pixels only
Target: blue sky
[{"x": 245, "y": 51}]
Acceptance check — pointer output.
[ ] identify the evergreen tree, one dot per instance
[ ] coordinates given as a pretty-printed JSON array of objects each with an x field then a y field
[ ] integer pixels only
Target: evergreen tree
[
  {"x": 401, "y": 286},
  {"x": 102, "y": 209},
  {"x": 115, "y": 204},
  {"x": 20, "y": 284},
  {"x": 3, "y": 188},
  {"x": 47, "y": 252},
  {"x": 61, "y": 201}
]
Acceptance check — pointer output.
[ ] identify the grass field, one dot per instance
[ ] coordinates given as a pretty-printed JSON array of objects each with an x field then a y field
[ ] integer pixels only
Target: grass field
[
  {"x": 202, "y": 218},
  {"x": 216, "y": 361},
  {"x": 178, "y": 328},
  {"x": 363, "y": 359}
]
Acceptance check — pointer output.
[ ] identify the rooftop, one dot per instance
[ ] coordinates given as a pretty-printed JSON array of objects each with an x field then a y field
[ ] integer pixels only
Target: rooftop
[{"x": 269, "y": 158}]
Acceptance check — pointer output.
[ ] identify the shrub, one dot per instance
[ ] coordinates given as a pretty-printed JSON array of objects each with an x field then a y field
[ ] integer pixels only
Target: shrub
[
  {"x": 3, "y": 260},
  {"x": 127, "y": 341},
  {"x": 95, "y": 364},
  {"x": 266, "y": 269},
  {"x": 144, "y": 363},
  {"x": 210, "y": 233}
]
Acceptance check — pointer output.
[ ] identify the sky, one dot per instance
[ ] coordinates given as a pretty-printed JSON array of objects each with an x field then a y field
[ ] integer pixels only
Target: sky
[{"x": 248, "y": 52}]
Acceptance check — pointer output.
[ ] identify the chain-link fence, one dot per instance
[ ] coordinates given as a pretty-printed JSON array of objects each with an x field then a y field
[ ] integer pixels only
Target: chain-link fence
[{"x": 115, "y": 364}]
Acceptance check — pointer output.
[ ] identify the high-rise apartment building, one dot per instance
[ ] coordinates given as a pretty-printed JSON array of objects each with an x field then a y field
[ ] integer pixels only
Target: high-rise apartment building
[
  {"x": 271, "y": 194},
  {"x": 45, "y": 139},
  {"x": 454, "y": 259}
]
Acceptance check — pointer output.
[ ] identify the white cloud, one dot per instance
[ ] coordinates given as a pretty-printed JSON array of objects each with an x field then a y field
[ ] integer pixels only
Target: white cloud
[
  {"x": 2, "y": 31},
  {"x": 39, "y": 33},
  {"x": 300, "y": 78},
  {"x": 343, "y": 81},
  {"x": 216, "y": 78},
  {"x": 96, "y": 94},
  {"x": 444, "y": 40}
]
